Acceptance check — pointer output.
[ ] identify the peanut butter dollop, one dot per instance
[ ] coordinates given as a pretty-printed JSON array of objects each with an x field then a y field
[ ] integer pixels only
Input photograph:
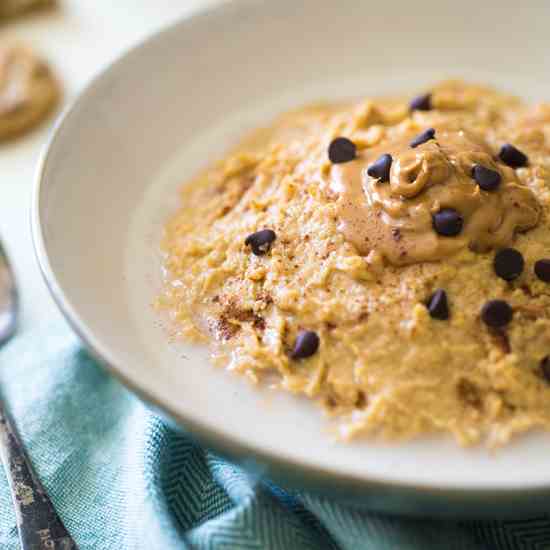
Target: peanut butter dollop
[{"x": 394, "y": 218}]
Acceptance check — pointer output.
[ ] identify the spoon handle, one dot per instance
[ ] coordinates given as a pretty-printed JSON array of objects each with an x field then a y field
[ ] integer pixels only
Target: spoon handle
[{"x": 38, "y": 524}]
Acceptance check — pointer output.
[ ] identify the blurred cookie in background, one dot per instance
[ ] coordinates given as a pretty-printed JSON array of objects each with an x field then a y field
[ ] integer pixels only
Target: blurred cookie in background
[
  {"x": 9, "y": 8},
  {"x": 28, "y": 90}
]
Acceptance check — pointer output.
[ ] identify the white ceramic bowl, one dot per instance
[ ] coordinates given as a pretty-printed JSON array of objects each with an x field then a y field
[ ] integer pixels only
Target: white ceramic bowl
[{"x": 109, "y": 178}]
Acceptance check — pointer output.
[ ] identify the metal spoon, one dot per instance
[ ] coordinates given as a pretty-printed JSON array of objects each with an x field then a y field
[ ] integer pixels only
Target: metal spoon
[{"x": 38, "y": 524}]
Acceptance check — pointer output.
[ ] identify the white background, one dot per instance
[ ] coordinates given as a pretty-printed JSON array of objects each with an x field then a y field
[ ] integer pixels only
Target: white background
[{"x": 78, "y": 39}]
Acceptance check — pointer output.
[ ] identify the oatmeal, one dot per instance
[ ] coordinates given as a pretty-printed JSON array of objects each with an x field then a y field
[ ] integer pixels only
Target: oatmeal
[{"x": 387, "y": 258}]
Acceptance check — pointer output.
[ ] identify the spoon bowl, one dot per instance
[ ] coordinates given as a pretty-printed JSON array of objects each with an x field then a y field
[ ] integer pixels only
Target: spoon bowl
[{"x": 9, "y": 299}]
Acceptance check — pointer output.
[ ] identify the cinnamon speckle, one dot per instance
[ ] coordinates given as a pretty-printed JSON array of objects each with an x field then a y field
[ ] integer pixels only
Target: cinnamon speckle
[
  {"x": 468, "y": 392},
  {"x": 361, "y": 400},
  {"x": 526, "y": 289},
  {"x": 330, "y": 402},
  {"x": 258, "y": 323},
  {"x": 225, "y": 329},
  {"x": 501, "y": 340}
]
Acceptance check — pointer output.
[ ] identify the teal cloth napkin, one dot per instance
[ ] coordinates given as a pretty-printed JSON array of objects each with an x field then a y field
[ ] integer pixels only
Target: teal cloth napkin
[{"x": 122, "y": 479}]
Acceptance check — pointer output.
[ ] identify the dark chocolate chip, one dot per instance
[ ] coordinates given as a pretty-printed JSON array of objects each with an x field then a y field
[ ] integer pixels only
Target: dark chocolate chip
[
  {"x": 545, "y": 368},
  {"x": 447, "y": 222},
  {"x": 508, "y": 263},
  {"x": 423, "y": 137},
  {"x": 421, "y": 103},
  {"x": 307, "y": 343},
  {"x": 512, "y": 156},
  {"x": 341, "y": 150},
  {"x": 496, "y": 313},
  {"x": 542, "y": 269},
  {"x": 437, "y": 305},
  {"x": 380, "y": 168},
  {"x": 487, "y": 179},
  {"x": 260, "y": 242}
]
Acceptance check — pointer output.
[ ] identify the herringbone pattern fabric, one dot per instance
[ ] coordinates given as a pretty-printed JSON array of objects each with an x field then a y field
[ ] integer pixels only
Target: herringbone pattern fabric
[{"x": 123, "y": 480}]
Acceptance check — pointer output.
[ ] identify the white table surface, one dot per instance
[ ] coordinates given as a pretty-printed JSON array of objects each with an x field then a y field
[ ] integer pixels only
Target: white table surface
[{"x": 78, "y": 39}]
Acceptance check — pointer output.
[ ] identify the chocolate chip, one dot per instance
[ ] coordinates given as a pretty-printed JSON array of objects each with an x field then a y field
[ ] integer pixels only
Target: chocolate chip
[
  {"x": 447, "y": 222},
  {"x": 307, "y": 343},
  {"x": 487, "y": 179},
  {"x": 542, "y": 270},
  {"x": 512, "y": 156},
  {"x": 260, "y": 242},
  {"x": 437, "y": 305},
  {"x": 508, "y": 264},
  {"x": 423, "y": 137},
  {"x": 496, "y": 313},
  {"x": 380, "y": 168},
  {"x": 421, "y": 103},
  {"x": 341, "y": 150},
  {"x": 396, "y": 234},
  {"x": 545, "y": 368}
]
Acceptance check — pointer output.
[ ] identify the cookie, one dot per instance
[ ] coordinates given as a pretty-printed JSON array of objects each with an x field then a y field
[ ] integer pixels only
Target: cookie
[
  {"x": 9, "y": 8},
  {"x": 28, "y": 90}
]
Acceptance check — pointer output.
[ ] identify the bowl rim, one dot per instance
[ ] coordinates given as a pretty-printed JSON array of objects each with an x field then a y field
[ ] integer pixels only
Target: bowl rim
[{"x": 307, "y": 475}]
